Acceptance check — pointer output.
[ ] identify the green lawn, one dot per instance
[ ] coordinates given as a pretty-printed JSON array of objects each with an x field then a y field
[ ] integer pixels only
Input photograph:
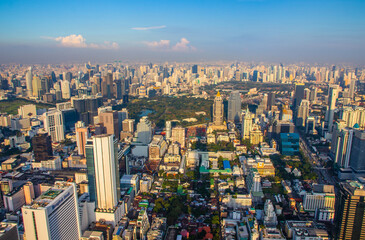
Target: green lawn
[{"x": 11, "y": 106}]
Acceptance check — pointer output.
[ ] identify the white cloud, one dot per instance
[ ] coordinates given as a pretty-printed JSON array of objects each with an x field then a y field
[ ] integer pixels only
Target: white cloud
[
  {"x": 78, "y": 41},
  {"x": 148, "y": 28},
  {"x": 182, "y": 46},
  {"x": 164, "y": 44}
]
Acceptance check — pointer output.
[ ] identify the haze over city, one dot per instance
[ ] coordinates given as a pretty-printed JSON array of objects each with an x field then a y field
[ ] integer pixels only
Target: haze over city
[{"x": 285, "y": 31}]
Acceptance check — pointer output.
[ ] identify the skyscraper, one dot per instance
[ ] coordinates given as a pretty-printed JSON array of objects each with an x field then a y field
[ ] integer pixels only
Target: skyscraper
[
  {"x": 246, "y": 125},
  {"x": 110, "y": 121},
  {"x": 302, "y": 113},
  {"x": 218, "y": 110},
  {"x": 350, "y": 211},
  {"x": 28, "y": 81},
  {"x": 298, "y": 95},
  {"x": 53, "y": 215},
  {"x": 82, "y": 134},
  {"x": 178, "y": 135},
  {"x": 53, "y": 124},
  {"x": 332, "y": 98},
  {"x": 270, "y": 100},
  {"x": 42, "y": 147},
  {"x": 144, "y": 131},
  {"x": 234, "y": 106},
  {"x": 103, "y": 177}
]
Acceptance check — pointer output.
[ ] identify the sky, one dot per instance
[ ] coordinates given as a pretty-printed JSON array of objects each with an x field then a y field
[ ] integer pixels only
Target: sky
[{"x": 287, "y": 31}]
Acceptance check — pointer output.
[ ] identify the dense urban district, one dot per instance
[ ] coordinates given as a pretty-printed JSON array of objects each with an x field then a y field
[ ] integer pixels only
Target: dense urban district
[{"x": 182, "y": 151}]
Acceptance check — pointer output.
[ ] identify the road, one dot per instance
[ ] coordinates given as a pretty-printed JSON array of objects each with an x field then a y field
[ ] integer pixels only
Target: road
[{"x": 325, "y": 176}]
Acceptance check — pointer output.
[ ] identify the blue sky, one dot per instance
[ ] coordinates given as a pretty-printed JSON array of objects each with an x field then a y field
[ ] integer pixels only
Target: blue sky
[{"x": 323, "y": 31}]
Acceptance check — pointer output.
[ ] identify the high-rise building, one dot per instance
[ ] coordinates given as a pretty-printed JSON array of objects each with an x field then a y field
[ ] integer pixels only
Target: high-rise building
[
  {"x": 53, "y": 124},
  {"x": 82, "y": 134},
  {"x": 28, "y": 81},
  {"x": 65, "y": 89},
  {"x": 103, "y": 177},
  {"x": 352, "y": 88},
  {"x": 332, "y": 98},
  {"x": 218, "y": 110},
  {"x": 350, "y": 211},
  {"x": 357, "y": 155},
  {"x": 37, "y": 86},
  {"x": 302, "y": 113},
  {"x": 178, "y": 135},
  {"x": 234, "y": 106},
  {"x": 322, "y": 197},
  {"x": 168, "y": 129},
  {"x": 298, "y": 95},
  {"x": 353, "y": 116},
  {"x": 270, "y": 100},
  {"x": 42, "y": 147},
  {"x": 246, "y": 125},
  {"x": 313, "y": 94},
  {"x": 106, "y": 171},
  {"x": 144, "y": 131},
  {"x": 128, "y": 125},
  {"x": 53, "y": 215},
  {"x": 194, "y": 69},
  {"x": 110, "y": 122}
]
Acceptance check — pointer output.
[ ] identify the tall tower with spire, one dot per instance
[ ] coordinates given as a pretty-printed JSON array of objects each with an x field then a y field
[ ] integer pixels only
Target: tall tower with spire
[{"x": 218, "y": 110}]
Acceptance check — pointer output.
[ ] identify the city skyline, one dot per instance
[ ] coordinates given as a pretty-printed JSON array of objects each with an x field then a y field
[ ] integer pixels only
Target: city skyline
[{"x": 243, "y": 30}]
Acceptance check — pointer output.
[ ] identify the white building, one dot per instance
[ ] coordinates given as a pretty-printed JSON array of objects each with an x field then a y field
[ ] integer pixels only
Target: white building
[
  {"x": 27, "y": 111},
  {"x": 53, "y": 124},
  {"x": 144, "y": 131},
  {"x": 53, "y": 215},
  {"x": 65, "y": 88}
]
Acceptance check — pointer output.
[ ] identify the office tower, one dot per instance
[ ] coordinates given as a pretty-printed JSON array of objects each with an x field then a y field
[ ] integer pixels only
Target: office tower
[
  {"x": 28, "y": 81},
  {"x": 357, "y": 156},
  {"x": 234, "y": 106},
  {"x": 103, "y": 177},
  {"x": 53, "y": 124},
  {"x": 246, "y": 125},
  {"x": 218, "y": 110},
  {"x": 194, "y": 69},
  {"x": 128, "y": 125},
  {"x": 313, "y": 94},
  {"x": 144, "y": 131},
  {"x": 118, "y": 91},
  {"x": 332, "y": 98},
  {"x": 107, "y": 86},
  {"x": 255, "y": 76},
  {"x": 352, "y": 88},
  {"x": 82, "y": 134},
  {"x": 298, "y": 94},
  {"x": 302, "y": 113},
  {"x": 87, "y": 108},
  {"x": 36, "y": 86},
  {"x": 353, "y": 116},
  {"x": 110, "y": 122},
  {"x": 28, "y": 193},
  {"x": 262, "y": 106},
  {"x": 178, "y": 135},
  {"x": 54, "y": 214},
  {"x": 122, "y": 115},
  {"x": 307, "y": 94},
  {"x": 310, "y": 125},
  {"x": 67, "y": 76},
  {"x": 168, "y": 129},
  {"x": 342, "y": 142},
  {"x": 42, "y": 147},
  {"x": 350, "y": 211},
  {"x": 27, "y": 111},
  {"x": 65, "y": 89},
  {"x": 270, "y": 100},
  {"x": 253, "y": 181},
  {"x": 321, "y": 197}
]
